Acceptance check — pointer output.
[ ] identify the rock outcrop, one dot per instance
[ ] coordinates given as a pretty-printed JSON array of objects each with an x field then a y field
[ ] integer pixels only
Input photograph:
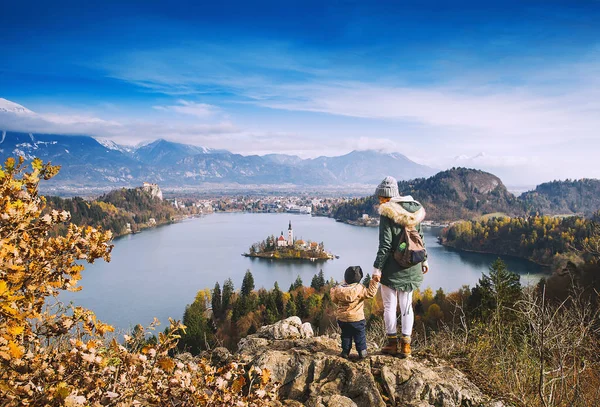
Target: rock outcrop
[{"x": 312, "y": 374}]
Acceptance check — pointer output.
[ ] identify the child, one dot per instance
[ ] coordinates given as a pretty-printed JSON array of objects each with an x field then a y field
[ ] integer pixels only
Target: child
[{"x": 350, "y": 313}]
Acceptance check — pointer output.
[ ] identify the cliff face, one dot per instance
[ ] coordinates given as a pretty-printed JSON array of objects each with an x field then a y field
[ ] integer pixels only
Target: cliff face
[{"x": 311, "y": 373}]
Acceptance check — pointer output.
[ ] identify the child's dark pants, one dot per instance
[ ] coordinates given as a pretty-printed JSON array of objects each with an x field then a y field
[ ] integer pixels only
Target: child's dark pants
[{"x": 356, "y": 331}]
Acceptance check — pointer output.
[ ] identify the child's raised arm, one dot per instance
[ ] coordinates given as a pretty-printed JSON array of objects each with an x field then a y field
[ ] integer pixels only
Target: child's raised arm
[{"x": 373, "y": 286}]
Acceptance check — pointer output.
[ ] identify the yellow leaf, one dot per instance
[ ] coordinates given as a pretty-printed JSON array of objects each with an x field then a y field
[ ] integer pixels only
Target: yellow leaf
[
  {"x": 62, "y": 390},
  {"x": 265, "y": 377},
  {"x": 3, "y": 287},
  {"x": 166, "y": 364},
  {"x": 15, "y": 330},
  {"x": 15, "y": 350},
  {"x": 238, "y": 384}
]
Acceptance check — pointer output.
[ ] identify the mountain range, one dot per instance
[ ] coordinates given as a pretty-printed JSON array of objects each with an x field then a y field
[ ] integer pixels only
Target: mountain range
[{"x": 87, "y": 162}]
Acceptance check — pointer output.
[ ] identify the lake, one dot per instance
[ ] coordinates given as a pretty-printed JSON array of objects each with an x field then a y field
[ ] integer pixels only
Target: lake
[{"x": 157, "y": 272}]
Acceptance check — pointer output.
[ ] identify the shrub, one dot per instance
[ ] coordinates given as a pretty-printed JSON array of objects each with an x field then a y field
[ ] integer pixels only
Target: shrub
[{"x": 58, "y": 355}]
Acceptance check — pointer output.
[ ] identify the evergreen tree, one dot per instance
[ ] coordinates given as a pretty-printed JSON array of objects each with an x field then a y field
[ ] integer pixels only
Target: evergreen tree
[
  {"x": 440, "y": 296},
  {"x": 228, "y": 291},
  {"x": 496, "y": 293},
  {"x": 301, "y": 305},
  {"x": 247, "y": 284},
  {"x": 198, "y": 333},
  {"x": 216, "y": 301},
  {"x": 296, "y": 284},
  {"x": 238, "y": 309},
  {"x": 278, "y": 296},
  {"x": 316, "y": 283},
  {"x": 419, "y": 309},
  {"x": 290, "y": 308},
  {"x": 322, "y": 280}
]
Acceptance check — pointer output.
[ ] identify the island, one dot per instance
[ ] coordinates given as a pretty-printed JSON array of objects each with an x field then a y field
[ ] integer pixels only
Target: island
[{"x": 282, "y": 248}]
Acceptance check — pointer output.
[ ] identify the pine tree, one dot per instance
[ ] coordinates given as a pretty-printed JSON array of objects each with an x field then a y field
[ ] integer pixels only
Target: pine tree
[
  {"x": 419, "y": 309},
  {"x": 290, "y": 308},
  {"x": 315, "y": 283},
  {"x": 278, "y": 295},
  {"x": 440, "y": 296},
  {"x": 318, "y": 281},
  {"x": 216, "y": 302},
  {"x": 228, "y": 291},
  {"x": 296, "y": 284},
  {"x": 247, "y": 284},
  {"x": 301, "y": 305},
  {"x": 198, "y": 333},
  {"x": 321, "y": 279},
  {"x": 495, "y": 294}
]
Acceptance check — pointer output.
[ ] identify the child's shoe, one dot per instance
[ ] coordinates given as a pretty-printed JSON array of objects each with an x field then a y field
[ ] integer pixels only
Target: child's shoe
[
  {"x": 345, "y": 355},
  {"x": 363, "y": 354},
  {"x": 404, "y": 345}
]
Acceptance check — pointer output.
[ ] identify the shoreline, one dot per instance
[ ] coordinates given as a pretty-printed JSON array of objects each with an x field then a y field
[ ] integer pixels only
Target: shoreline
[
  {"x": 545, "y": 265},
  {"x": 301, "y": 259}
]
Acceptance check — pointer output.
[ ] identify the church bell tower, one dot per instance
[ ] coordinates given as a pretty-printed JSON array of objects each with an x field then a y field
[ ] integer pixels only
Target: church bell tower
[{"x": 290, "y": 235}]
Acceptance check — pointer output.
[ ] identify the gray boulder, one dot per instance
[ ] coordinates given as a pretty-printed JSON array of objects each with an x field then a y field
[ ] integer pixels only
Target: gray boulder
[{"x": 311, "y": 373}]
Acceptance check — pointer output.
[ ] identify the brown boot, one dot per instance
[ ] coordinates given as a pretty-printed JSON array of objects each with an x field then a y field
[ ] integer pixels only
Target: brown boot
[
  {"x": 391, "y": 348},
  {"x": 404, "y": 347}
]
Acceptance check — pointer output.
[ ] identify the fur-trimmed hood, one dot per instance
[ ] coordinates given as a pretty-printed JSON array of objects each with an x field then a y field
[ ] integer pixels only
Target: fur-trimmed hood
[{"x": 405, "y": 212}]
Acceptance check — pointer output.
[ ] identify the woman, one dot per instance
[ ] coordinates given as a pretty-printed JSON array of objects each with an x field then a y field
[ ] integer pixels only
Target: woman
[{"x": 397, "y": 283}]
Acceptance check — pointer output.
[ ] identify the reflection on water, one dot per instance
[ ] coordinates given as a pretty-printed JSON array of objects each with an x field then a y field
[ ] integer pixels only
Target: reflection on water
[{"x": 159, "y": 271}]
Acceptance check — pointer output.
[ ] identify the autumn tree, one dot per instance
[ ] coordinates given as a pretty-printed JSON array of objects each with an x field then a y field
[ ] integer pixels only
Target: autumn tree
[{"x": 56, "y": 355}]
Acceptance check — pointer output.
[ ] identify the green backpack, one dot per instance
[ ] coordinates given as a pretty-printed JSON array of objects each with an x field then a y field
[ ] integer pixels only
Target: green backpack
[{"x": 411, "y": 250}]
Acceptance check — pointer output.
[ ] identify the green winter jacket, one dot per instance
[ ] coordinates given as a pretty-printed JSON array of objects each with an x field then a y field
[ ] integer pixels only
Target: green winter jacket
[{"x": 395, "y": 215}]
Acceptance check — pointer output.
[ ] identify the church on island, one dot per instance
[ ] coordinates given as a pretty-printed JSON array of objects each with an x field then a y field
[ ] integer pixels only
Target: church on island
[
  {"x": 283, "y": 242},
  {"x": 286, "y": 247}
]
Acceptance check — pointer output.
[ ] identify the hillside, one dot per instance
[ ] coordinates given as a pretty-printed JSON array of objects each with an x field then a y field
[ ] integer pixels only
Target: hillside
[
  {"x": 115, "y": 210},
  {"x": 459, "y": 193},
  {"x": 564, "y": 197}
]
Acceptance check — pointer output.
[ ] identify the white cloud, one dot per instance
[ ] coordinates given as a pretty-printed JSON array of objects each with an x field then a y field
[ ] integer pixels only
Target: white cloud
[
  {"x": 200, "y": 110},
  {"x": 124, "y": 132}
]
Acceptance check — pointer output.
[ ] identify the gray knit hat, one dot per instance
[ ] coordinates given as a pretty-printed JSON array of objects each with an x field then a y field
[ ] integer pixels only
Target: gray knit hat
[{"x": 388, "y": 187}]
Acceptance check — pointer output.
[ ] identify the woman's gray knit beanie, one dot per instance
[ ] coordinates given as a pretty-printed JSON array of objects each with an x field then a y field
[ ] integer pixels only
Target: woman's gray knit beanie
[{"x": 388, "y": 187}]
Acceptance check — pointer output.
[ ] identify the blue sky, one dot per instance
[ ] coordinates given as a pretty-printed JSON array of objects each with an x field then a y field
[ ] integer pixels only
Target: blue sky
[{"x": 511, "y": 87}]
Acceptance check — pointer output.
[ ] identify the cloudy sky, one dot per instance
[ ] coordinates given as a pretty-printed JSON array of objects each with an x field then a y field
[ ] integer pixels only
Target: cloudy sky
[{"x": 508, "y": 86}]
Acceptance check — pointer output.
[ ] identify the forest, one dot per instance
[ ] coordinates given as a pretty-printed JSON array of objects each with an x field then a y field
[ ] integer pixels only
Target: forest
[
  {"x": 551, "y": 241},
  {"x": 500, "y": 332},
  {"x": 114, "y": 210}
]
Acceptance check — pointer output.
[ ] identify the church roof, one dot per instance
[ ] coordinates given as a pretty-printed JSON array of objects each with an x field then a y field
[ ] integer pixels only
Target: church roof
[{"x": 281, "y": 238}]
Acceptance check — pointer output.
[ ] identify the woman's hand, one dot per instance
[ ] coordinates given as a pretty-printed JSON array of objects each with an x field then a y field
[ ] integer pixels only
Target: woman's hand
[{"x": 424, "y": 267}]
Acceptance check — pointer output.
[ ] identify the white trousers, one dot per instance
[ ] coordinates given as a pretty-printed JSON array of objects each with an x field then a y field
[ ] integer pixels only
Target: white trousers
[{"x": 391, "y": 298}]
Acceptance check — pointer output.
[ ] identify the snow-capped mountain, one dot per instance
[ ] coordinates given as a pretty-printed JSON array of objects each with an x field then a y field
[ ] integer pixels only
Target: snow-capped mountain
[
  {"x": 98, "y": 162},
  {"x": 6, "y": 106}
]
